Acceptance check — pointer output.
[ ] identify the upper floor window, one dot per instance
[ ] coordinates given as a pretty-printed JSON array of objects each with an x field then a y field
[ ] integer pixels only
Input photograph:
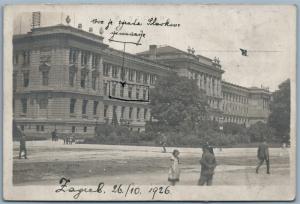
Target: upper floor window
[
  {"x": 115, "y": 71},
  {"x": 106, "y": 68},
  {"x": 145, "y": 113},
  {"x": 95, "y": 61},
  {"x": 43, "y": 103},
  {"x": 45, "y": 78},
  {"x": 83, "y": 78},
  {"x": 84, "y": 105},
  {"x": 94, "y": 80},
  {"x": 24, "y": 105},
  {"x": 105, "y": 111},
  {"x": 144, "y": 94},
  {"x": 152, "y": 79},
  {"x": 138, "y": 113},
  {"x": 16, "y": 58},
  {"x": 72, "y": 56},
  {"x": 105, "y": 88},
  {"x": 71, "y": 77},
  {"x": 72, "y": 105},
  {"x": 130, "y": 112},
  {"x": 145, "y": 78},
  {"x": 138, "y": 76},
  {"x": 121, "y": 91},
  {"x": 26, "y": 78},
  {"x": 122, "y": 112},
  {"x": 113, "y": 90},
  {"x": 26, "y": 57},
  {"x": 129, "y": 91},
  {"x": 137, "y": 93},
  {"x": 130, "y": 74},
  {"x": 95, "y": 107},
  {"x": 84, "y": 58}
]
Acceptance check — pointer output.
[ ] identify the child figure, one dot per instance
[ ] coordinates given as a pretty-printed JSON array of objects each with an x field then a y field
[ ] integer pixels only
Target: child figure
[{"x": 174, "y": 171}]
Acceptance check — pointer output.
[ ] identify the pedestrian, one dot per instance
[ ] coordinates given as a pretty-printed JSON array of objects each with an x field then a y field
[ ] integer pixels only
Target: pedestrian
[
  {"x": 23, "y": 146},
  {"x": 65, "y": 139},
  {"x": 54, "y": 135},
  {"x": 174, "y": 171},
  {"x": 263, "y": 155},
  {"x": 208, "y": 165},
  {"x": 210, "y": 148},
  {"x": 164, "y": 142}
]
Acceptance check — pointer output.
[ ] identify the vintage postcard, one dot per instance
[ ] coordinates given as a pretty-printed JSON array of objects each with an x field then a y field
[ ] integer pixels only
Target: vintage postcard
[{"x": 154, "y": 102}]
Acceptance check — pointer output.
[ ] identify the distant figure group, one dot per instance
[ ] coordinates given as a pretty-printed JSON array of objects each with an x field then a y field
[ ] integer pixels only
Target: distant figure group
[
  {"x": 208, "y": 164},
  {"x": 69, "y": 139}
]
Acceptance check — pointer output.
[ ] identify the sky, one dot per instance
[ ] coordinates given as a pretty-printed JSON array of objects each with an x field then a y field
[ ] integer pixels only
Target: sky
[{"x": 267, "y": 32}]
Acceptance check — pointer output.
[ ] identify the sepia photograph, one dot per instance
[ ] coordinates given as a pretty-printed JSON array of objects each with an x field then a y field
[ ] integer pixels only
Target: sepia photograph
[{"x": 156, "y": 102}]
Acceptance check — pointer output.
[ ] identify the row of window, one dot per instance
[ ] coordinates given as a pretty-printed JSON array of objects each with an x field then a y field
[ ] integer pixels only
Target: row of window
[
  {"x": 73, "y": 58},
  {"x": 105, "y": 112},
  {"x": 235, "y": 119},
  {"x": 45, "y": 79},
  {"x": 42, "y": 102},
  {"x": 235, "y": 98},
  {"x": 130, "y": 111},
  {"x": 38, "y": 128},
  {"x": 25, "y": 55},
  {"x": 228, "y": 107},
  {"x": 113, "y": 91},
  {"x": 133, "y": 75}
]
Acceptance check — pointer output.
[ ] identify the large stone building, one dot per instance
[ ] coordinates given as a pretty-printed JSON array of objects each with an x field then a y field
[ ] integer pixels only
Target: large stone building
[
  {"x": 67, "y": 79},
  {"x": 227, "y": 102}
]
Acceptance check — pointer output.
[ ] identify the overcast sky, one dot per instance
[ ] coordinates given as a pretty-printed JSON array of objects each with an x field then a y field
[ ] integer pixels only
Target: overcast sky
[{"x": 267, "y": 32}]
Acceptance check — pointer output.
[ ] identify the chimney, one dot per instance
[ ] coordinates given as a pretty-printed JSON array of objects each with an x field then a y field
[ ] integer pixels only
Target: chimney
[
  {"x": 153, "y": 51},
  {"x": 80, "y": 26},
  {"x": 90, "y": 29}
]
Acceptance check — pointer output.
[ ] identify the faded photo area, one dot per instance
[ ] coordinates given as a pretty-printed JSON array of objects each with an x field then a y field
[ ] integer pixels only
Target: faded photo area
[{"x": 150, "y": 102}]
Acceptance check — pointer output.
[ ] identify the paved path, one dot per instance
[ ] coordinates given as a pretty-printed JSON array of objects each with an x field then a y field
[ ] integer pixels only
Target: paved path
[{"x": 90, "y": 164}]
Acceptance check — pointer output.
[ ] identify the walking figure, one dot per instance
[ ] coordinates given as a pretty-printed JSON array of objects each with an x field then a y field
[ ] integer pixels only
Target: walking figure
[
  {"x": 164, "y": 143},
  {"x": 65, "y": 139},
  {"x": 23, "y": 146},
  {"x": 54, "y": 135},
  {"x": 174, "y": 171},
  {"x": 208, "y": 165},
  {"x": 263, "y": 155}
]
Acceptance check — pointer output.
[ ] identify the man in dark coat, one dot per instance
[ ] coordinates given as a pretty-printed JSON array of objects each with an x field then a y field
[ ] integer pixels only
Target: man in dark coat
[
  {"x": 208, "y": 165},
  {"x": 263, "y": 155},
  {"x": 23, "y": 146}
]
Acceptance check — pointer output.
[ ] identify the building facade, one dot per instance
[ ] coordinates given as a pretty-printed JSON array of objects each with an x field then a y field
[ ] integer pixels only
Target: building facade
[
  {"x": 67, "y": 79},
  {"x": 245, "y": 106}
]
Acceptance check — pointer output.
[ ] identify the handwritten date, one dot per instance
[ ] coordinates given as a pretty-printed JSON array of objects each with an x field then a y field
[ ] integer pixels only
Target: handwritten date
[{"x": 120, "y": 189}]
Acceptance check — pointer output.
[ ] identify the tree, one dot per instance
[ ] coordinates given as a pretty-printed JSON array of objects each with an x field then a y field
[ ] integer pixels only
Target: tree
[
  {"x": 279, "y": 118},
  {"x": 177, "y": 100},
  {"x": 259, "y": 131}
]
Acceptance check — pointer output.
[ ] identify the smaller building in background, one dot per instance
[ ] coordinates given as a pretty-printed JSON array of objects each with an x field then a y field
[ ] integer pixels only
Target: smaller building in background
[{"x": 245, "y": 106}]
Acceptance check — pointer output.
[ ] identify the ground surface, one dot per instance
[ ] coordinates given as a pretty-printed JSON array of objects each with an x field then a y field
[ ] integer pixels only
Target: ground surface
[{"x": 113, "y": 164}]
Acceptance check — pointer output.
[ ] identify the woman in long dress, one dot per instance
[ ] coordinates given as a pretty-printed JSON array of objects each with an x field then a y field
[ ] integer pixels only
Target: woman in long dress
[{"x": 174, "y": 171}]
